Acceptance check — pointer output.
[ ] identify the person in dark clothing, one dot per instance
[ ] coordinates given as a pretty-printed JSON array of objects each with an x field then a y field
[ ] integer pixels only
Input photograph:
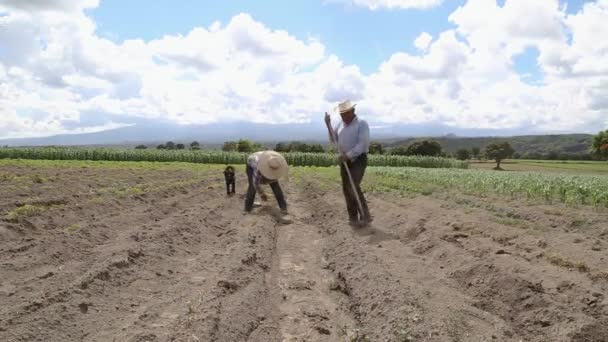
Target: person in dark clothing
[
  {"x": 352, "y": 136},
  {"x": 230, "y": 180}
]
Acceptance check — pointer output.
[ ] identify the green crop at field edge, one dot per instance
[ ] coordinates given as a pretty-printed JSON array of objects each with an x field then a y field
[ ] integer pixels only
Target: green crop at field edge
[
  {"x": 213, "y": 157},
  {"x": 575, "y": 189}
]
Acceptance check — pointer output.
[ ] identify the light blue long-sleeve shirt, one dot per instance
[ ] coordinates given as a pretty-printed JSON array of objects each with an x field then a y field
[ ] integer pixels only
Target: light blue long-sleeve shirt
[{"x": 353, "y": 139}]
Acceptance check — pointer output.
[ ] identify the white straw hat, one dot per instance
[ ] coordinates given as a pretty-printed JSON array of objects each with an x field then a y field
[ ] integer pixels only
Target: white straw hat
[
  {"x": 345, "y": 106},
  {"x": 272, "y": 165}
]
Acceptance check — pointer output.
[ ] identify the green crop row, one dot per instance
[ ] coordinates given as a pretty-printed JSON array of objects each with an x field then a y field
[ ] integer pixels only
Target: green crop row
[
  {"x": 213, "y": 157},
  {"x": 575, "y": 189}
]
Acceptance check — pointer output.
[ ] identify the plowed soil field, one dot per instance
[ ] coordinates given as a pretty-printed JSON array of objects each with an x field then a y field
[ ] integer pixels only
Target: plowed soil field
[{"x": 124, "y": 252}]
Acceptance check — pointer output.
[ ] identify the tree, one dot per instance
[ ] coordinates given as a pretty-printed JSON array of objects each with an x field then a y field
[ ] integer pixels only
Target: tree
[
  {"x": 427, "y": 147},
  {"x": 180, "y": 146},
  {"x": 499, "y": 151},
  {"x": 244, "y": 145},
  {"x": 170, "y": 145},
  {"x": 257, "y": 147},
  {"x": 141, "y": 147},
  {"x": 281, "y": 147},
  {"x": 161, "y": 147},
  {"x": 376, "y": 148},
  {"x": 316, "y": 148},
  {"x": 399, "y": 151},
  {"x": 475, "y": 151},
  {"x": 230, "y": 146},
  {"x": 195, "y": 144},
  {"x": 600, "y": 144},
  {"x": 553, "y": 155},
  {"x": 296, "y": 146},
  {"x": 463, "y": 154}
]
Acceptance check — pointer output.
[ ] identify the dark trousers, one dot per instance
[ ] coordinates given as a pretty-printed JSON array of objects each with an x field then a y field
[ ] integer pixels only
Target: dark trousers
[
  {"x": 357, "y": 170},
  {"x": 276, "y": 189}
]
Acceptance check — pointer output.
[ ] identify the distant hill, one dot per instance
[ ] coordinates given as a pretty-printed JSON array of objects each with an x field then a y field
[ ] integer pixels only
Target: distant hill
[
  {"x": 525, "y": 145},
  {"x": 158, "y": 132},
  {"x": 149, "y": 131},
  {"x": 152, "y": 133}
]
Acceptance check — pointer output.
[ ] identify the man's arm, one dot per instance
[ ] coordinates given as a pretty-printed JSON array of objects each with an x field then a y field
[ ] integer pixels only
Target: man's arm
[
  {"x": 257, "y": 178},
  {"x": 362, "y": 141}
]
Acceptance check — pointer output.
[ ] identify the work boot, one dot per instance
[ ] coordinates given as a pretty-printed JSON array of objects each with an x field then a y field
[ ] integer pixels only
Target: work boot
[{"x": 285, "y": 218}]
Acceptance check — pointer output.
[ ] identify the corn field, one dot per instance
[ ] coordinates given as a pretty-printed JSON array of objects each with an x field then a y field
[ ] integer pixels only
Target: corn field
[
  {"x": 572, "y": 189},
  {"x": 213, "y": 157}
]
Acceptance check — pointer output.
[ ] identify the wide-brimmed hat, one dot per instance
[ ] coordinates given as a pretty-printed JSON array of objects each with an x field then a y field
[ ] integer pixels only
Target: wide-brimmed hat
[
  {"x": 345, "y": 106},
  {"x": 272, "y": 165}
]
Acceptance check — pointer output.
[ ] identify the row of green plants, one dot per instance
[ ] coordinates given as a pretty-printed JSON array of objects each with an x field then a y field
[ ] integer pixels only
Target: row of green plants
[
  {"x": 572, "y": 189},
  {"x": 214, "y": 157}
]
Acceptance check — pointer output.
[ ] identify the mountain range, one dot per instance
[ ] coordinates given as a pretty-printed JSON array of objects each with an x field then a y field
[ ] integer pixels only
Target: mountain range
[{"x": 212, "y": 134}]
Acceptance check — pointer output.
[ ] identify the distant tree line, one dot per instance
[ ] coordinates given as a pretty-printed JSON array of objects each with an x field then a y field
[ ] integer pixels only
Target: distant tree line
[
  {"x": 297, "y": 146},
  {"x": 496, "y": 151},
  {"x": 242, "y": 145},
  {"x": 170, "y": 145}
]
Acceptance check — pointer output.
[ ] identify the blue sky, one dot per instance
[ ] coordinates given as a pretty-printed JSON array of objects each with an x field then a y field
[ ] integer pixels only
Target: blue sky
[
  {"x": 69, "y": 66},
  {"x": 355, "y": 34}
]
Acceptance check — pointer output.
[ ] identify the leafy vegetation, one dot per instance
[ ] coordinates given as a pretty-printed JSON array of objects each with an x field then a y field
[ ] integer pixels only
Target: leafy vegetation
[
  {"x": 499, "y": 151},
  {"x": 552, "y": 166},
  {"x": 214, "y": 157},
  {"x": 546, "y": 187},
  {"x": 242, "y": 145},
  {"x": 559, "y": 146},
  {"x": 600, "y": 144},
  {"x": 426, "y": 147},
  {"x": 297, "y": 146},
  {"x": 463, "y": 154},
  {"x": 23, "y": 211},
  {"x": 574, "y": 189}
]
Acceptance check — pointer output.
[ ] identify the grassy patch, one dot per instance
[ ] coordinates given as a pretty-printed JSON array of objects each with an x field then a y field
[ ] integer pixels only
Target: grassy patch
[
  {"x": 518, "y": 223},
  {"x": 509, "y": 221},
  {"x": 549, "y": 166},
  {"x": 559, "y": 260},
  {"x": 24, "y": 211},
  {"x": 71, "y": 228},
  {"x": 577, "y": 223},
  {"x": 38, "y": 179},
  {"x": 553, "y": 212}
]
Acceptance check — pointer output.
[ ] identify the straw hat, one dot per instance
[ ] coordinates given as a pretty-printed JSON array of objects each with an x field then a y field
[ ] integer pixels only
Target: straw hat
[
  {"x": 272, "y": 165},
  {"x": 345, "y": 106}
]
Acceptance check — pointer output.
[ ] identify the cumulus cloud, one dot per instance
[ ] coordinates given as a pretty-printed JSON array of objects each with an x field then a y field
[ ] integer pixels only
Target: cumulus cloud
[
  {"x": 444, "y": 59},
  {"x": 56, "y": 72}
]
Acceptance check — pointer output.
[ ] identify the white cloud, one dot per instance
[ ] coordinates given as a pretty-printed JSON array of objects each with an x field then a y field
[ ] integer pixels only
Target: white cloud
[
  {"x": 394, "y": 4},
  {"x": 56, "y": 69},
  {"x": 444, "y": 59},
  {"x": 423, "y": 41},
  {"x": 48, "y": 5}
]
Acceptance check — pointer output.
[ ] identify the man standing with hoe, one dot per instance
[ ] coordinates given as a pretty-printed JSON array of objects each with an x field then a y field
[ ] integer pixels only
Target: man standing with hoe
[{"x": 352, "y": 139}]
